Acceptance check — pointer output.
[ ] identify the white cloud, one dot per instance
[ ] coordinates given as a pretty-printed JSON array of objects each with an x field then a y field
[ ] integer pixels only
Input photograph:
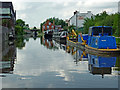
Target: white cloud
[
  {"x": 22, "y": 16},
  {"x": 79, "y": 3},
  {"x": 35, "y": 13},
  {"x": 65, "y": 4}
]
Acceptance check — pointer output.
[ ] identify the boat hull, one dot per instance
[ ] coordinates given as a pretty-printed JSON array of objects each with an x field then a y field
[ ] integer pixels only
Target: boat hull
[
  {"x": 75, "y": 44},
  {"x": 89, "y": 49},
  {"x": 94, "y": 51}
]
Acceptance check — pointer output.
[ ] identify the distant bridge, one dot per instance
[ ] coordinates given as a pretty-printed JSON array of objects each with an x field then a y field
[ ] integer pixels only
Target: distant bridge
[
  {"x": 31, "y": 30},
  {"x": 34, "y": 30}
]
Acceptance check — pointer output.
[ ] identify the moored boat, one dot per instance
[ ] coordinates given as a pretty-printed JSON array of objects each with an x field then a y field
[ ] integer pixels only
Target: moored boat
[
  {"x": 48, "y": 33},
  {"x": 99, "y": 40},
  {"x": 60, "y": 36}
]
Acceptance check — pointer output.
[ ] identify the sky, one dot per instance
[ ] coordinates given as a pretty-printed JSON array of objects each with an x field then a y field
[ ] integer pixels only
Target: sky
[{"x": 34, "y": 12}]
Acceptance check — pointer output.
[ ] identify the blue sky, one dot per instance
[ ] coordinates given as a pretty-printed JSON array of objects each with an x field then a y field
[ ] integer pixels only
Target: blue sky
[{"x": 34, "y": 12}]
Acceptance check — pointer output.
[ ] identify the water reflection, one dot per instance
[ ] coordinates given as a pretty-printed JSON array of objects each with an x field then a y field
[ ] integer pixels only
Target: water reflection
[
  {"x": 49, "y": 43},
  {"x": 20, "y": 43},
  {"x": 44, "y": 63},
  {"x": 97, "y": 64},
  {"x": 8, "y": 57},
  {"x": 9, "y": 53},
  {"x": 101, "y": 65}
]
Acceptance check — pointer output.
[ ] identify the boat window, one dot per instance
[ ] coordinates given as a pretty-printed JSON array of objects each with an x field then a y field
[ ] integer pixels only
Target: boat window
[
  {"x": 98, "y": 30},
  {"x": 107, "y": 30},
  {"x": 93, "y": 61},
  {"x": 63, "y": 34}
]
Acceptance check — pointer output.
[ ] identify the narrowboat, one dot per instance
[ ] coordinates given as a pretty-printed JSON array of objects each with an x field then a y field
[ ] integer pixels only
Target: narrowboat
[
  {"x": 48, "y": 34},
  {"x": 99, "y": 40},
  {"x": 60, "y": 36}
]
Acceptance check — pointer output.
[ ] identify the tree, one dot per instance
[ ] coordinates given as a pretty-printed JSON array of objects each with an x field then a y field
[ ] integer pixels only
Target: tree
[
  {"x": 20, "y": 25},
  {"x": 41, "y": 27},
  {"x": 26, "y": 26},
  {"x": 103, "y": 19},
  {"x": 71, "y": 27},
  {"x": 6, "y": 23},
  {"x": 118, "y": 30},
  {"x": 34, "y": 27},
  {"x": 20, "y": 22},
  {"x": 19, "y": 30},
  {"x": 65, "y": 28}
]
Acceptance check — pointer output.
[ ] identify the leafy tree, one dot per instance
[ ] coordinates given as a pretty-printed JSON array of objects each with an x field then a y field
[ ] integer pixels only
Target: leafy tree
[
  {"x": 20, "y": 42},
  {"x": 19, "y": 27},
  {"x": 34, "y": 27},
  {"x": 6, "y": 23},
  {"x": 103, "y": 19},
  {"x": 41, "y": 27},
  {"x": 19, "y": 30},
  {"x": 65, "y": 28},
  {"x": 118, "y": 30},
  {"x": 26, "y": 26},
  {"x": 20, "y": 22},
  {"x": 71, "y": 27}
]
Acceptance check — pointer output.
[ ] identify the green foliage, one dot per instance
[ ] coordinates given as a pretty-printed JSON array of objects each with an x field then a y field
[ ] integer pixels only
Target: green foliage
[
  {"x": 34, "y": 27},
  {"x": 20, "y": 26},
  {"x": 20, "y": 22},
  {"x": 103, "y": 19},
  {"x": 118, "y": 41},
  {"x": 41, "y": 27},
  {"x": 65, "y": 28},
  {"x": 20, "y": 42},
  {"x": 117, "y": 64},
  {"x": 19, "y": 30},
  {"x": 6, "y": 23},
  {"x": 71, "y": 27},
  {"x": 26, "y": 26}
]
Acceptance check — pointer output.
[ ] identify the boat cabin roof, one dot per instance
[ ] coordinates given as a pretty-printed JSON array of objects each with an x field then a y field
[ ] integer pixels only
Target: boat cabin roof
[
  {"x": 101, "y": 27},
  {"x": 100, "y": 30}
]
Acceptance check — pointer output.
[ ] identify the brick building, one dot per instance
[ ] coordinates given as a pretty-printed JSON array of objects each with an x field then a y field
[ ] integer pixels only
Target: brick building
[
  {"x": 48, "y": 26},
  {"x": 58, "y": 27}
]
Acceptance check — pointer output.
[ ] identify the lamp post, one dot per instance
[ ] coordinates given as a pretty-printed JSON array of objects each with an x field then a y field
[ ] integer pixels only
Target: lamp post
[{"x": 76, "y": 20}]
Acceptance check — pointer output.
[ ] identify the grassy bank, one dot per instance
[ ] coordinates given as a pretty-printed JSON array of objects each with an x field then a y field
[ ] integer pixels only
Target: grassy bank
[
  {"x": 40, "y": 34},
  {"x": 118, "y": 41}
]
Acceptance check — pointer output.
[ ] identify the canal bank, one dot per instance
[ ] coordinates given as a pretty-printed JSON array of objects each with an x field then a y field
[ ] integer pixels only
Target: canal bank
[
  {"x": 44, "y": 63},
  {"x": 118, "y": 41}
]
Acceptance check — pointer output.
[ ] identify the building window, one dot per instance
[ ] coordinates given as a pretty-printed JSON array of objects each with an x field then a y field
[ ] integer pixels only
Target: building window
[
  {"x": 44, "y": 27},
  {"x": 52, "y": 26},
  {"x": 12, "y": 13},
  {"x": 49, "y": 23},
  {"x": 47, "y": 27},
  {"x": 4, "y": 10},
  {"x": 5, "y": 17}
]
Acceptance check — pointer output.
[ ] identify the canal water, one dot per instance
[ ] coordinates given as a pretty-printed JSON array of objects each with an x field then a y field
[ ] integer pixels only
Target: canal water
[{"x": 44, "y": 63}]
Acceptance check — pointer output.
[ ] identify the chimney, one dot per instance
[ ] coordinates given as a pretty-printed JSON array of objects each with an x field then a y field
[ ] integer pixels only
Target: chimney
[{"x": 75, "y": 12}]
